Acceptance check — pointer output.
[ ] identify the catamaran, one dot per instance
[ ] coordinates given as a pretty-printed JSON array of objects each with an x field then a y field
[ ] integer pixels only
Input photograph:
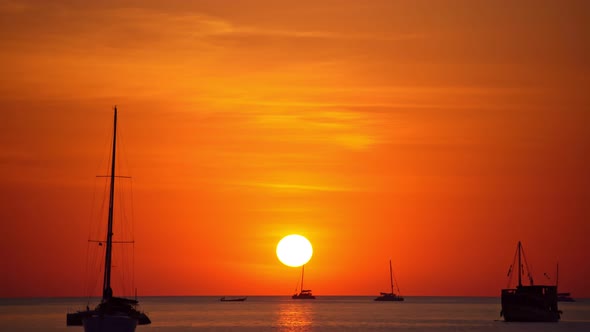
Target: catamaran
[
  {"x": 305, "y": 294},
  {"x": 391, "y": 296},
  {"x": 112, "y": 314}
]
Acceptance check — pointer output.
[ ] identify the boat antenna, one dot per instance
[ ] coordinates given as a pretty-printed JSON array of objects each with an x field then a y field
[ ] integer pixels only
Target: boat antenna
[{"x": 107, "y": 291}]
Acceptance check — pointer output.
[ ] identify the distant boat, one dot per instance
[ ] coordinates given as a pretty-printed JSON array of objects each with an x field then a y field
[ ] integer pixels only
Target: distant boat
[
  {"x": 233, "y": 299},
  {"x": 389, "y": 296},
  {"x": 565, "y": 297},
  {"x": 305, "y": 294},
  {"x": 562, "y": 297},
  {"x": 112, "y": 314},
  {"x": 533, "y": 303}
]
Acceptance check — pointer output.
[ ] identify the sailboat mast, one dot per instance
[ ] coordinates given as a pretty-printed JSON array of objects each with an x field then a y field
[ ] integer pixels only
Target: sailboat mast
[
  {"x": 391, "y": 276},
  {"x": 519, "y": 266},
  {"x": 302, "y": 272},
  {"x": 107, "y": 291}
]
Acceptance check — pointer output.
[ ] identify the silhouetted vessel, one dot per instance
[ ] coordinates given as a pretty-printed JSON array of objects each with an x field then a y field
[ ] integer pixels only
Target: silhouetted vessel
[
  {"x": 112, "y": 314},
  {"x": 233, "y": 299},
  {"x": 389, "y": 296},
  {"x": 562, "y": 297},
  {"x": 533, "y": 303},
  {"x": 305, "y": 294},
  {"x": 565, "y": 297}
]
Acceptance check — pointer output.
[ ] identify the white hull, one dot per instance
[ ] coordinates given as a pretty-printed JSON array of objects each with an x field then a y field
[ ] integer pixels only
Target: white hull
[{"x": 109, "y": 323}]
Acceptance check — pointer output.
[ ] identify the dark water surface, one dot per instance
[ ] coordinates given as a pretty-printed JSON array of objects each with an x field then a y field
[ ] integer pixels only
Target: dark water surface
[{"x": 281, "y": 313}]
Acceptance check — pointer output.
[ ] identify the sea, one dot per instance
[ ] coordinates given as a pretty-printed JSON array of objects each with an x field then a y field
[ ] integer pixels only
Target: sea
[{"x": 281, "y": 313}]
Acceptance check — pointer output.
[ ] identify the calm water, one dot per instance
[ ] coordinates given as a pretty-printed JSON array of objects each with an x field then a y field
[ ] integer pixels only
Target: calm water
[{"x": 176, "y": 314}]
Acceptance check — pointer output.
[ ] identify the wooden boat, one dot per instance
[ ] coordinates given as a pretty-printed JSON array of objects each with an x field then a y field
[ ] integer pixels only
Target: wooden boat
[
  {"x": 233, "y": 299},
  {"x": 391, "y": 296},
  {"x": 112, "y": 314},
  {"x": 532, "y": 303},
  {"x": 305, "y": 294}
]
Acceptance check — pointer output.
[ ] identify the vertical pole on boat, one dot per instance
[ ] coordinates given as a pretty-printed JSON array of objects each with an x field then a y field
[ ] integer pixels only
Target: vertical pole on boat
[
  {"x": 391, "y": 276},
  {"x": 107, "y": 291},
  {"x": 302, "y": 272},
  {"x": 519, "y": 266}
]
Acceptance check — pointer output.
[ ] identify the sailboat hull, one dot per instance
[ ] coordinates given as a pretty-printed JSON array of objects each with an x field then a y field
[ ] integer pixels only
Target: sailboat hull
[
  {"x": 303, "y": 297},
  {"x": 385, "y": 298},
  {"x": 109, "y": 323}
]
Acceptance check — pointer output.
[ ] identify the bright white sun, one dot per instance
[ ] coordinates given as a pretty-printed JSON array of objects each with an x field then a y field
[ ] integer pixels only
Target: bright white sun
[{"x": 294, "y": 250}]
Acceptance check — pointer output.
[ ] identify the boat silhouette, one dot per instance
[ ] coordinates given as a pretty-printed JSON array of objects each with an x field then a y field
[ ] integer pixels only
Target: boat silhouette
[
  {"x": 391, "y": 296},
  {"x": 532, "y": 303},
  {"x": 112, "y": 314},
  {"x": 305, "y": 294},
  {"x": 233, "y": 299},
  {"x": 565, "y": 296}
]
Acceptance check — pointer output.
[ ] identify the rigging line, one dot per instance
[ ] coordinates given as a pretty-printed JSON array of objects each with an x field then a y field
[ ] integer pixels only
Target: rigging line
[
  {"x": 132, "y": 234},
  {"x": 123, "y": 157},
  {"x": 124, "y": 217},
  {"x": 527, "y": 267},
  {"x": 97, "y": 223},
  {"x": 133, "y": 268},
  {"x": 297, "y": 285},
  {"x": 86, "y": 274},
  {"x": 396, "y": 284},
  {"x": 510, "y": 270},
  {"x": 100, "y": 255},
  {"x": 93, "y": 228},
  {"x": 95, "y": 266}
]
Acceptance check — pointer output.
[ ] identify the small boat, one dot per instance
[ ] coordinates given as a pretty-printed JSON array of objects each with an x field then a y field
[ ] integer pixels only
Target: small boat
[
  {"x": 565, "y": 297},
  {"x": 562, "y": 297},
  {"x": 532, "y": 303},
  {"x": 112, "y": 314},
  {"x": 305, "y": 294},
  {"x": 233, "y": 299},
  {"x": 389, "y": 296}
]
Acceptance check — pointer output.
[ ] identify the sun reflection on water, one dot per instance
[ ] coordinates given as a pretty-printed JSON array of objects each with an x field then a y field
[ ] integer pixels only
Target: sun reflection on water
[{"x": 295, "y": 317}]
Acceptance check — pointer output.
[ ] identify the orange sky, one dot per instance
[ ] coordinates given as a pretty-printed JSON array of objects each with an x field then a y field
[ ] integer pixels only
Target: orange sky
[{"x": 435, "y": 133}]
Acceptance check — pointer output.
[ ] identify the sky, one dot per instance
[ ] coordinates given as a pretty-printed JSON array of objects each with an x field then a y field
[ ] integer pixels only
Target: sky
[{"x": 436, "y": 134}]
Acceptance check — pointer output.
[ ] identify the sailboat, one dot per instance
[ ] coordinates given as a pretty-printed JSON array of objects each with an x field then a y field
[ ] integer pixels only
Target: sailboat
[
  {"x": 112, "y": 314},
  {"x": 389, "y": 296},
  {"x": 305, "y": 294},
  {"x": 532, "y": 303}
]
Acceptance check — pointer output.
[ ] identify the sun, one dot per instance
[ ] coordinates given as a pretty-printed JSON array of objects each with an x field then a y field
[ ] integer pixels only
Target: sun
[{"x": 294, "y": 250}]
